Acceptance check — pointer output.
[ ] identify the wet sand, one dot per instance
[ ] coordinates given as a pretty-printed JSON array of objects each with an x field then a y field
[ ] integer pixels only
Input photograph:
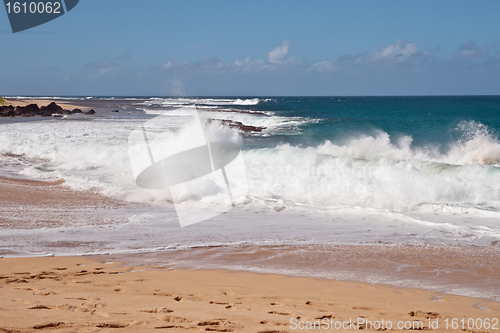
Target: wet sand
[{"x": 27, "y": 204}]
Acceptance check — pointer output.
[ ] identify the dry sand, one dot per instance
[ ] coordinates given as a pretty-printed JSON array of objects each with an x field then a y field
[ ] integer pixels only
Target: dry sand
[
  {"x": 42, "y": 102},
  {"x": 77, "y": 294}
]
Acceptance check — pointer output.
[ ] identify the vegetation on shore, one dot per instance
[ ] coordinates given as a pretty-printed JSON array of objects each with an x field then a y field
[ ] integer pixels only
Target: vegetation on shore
[{"x": 3, "y": 101}]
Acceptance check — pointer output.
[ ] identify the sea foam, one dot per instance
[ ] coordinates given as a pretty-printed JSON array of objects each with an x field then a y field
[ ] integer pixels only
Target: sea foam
[{"x": 362, "y": 177}]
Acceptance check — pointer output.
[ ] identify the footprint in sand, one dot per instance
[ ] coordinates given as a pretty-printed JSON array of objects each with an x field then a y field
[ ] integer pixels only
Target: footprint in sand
[
  {"x": 477, "y": 306},
  {"x": 427, "y": 315},
  {"x": 49, "y": 325},
  {"x": 66, "y": 307},
  {"x": 78, "y": 298},
  {"x": 92, "y": 305},
  {"x": 366, "y": 308},
  {"x": 14, "y": 280},
  {"x": 174, "y": 319},
  {"x": 219, "y": 303},
  {"x": 155, "y": 310},
  {"x": 100, "y": 314},
  {"x": 162, "y": 293},
  {"x": 170, "y": 327},
  {"x": 228, "y": 305},
  {"x": 40, "y": 307},
  {"x": 137, "y": 323},
  {"x": 21, "y": 301},
  {"x": 41, "y": 292},
  {"x": 279, "y": 313},
  {"x": 314, "y": 304},
  {"x": 272, "y": 323},
  {"x": 219, "y": 325},
  {"x": 111, "y": 325},
  {"x": 328, "y": 316}
]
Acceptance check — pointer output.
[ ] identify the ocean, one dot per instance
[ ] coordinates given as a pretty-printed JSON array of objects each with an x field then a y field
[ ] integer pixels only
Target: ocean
[{"x": 321, "y": 171}]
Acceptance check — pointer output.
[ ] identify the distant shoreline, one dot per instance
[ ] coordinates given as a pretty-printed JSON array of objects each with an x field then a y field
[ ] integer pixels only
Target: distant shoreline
[{"x": 42, "y": 102}]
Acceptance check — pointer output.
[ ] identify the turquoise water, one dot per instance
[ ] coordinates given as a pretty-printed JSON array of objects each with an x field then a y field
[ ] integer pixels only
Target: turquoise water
[
  {"x": 337, "y": 169},
  {"x": 324, "y": 171},
  {"x": 428, "y": 120}
]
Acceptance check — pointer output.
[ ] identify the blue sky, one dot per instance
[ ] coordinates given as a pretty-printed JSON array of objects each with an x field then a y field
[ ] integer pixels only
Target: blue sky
[{"x": 222, "y": 48}]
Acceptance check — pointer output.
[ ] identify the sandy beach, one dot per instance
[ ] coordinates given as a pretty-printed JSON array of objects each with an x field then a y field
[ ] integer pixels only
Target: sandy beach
[
  {"x": 81, "y": 294},
  {"x": 169, "y": 291},
  {"x": 260, "y": 167},
  {"x": 98, "y": 293}
]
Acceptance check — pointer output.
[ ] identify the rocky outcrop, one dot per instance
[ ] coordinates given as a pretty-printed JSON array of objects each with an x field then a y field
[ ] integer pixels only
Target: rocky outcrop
[
  {"x": 239, "y": 125},
  {"x": 27, "y": 111},
  {"x": 7, "y": 111},
  {"x": 52, "y": 107},
  {"x": 33, "y": 110}
]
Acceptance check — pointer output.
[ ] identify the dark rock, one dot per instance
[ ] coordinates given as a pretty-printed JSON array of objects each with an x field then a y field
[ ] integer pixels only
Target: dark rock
[
  {"x": 52, "y": 107},
  {"x": 32, "y": 108},
  {"x": 7, "y": 111},
  {"x": 19, "y": 110},
  {"x": 239, "y": 125},
  {"x": 6, "y": 108},
  {"x": 28, "y": 110},
  {"x": 2, "y": 111}
]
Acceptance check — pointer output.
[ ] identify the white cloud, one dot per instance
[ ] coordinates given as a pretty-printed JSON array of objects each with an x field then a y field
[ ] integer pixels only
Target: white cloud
[
  {"x": 279, "y": 54},
  {"x": 167, "y": 65},
  {"x": 323, "y": 67},
  {"x": 397, "y": 51}
]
